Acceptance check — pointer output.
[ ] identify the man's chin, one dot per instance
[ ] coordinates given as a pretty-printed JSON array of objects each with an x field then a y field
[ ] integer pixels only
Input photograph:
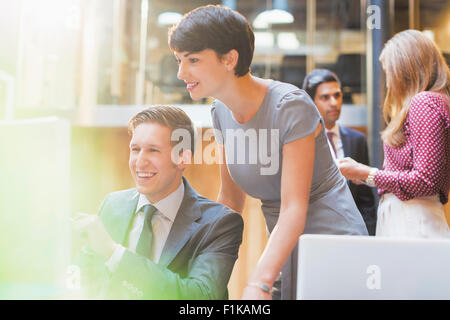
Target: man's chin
[
  {"x": 196, "y": 96},
  {"x": 142, "y": 189},
  {"x": 333, "y": 118}
]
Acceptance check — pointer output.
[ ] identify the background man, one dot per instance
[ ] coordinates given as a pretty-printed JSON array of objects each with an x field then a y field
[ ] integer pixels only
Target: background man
[
  {"x": 160, "y": 240},
  {"x": 324, "y": 88}
]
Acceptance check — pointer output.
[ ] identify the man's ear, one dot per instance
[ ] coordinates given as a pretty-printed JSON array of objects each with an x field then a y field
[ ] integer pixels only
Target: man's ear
[
  {"x": 185, "y": 159},
  {"x": 231, "y": 59}
]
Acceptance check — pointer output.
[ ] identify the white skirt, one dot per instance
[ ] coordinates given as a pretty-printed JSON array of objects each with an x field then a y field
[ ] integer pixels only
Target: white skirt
[{"x": 421, "y": 217}]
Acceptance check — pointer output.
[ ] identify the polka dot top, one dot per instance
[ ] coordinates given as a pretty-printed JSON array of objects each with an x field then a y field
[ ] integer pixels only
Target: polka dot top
[{"x": 421, "y": 166}]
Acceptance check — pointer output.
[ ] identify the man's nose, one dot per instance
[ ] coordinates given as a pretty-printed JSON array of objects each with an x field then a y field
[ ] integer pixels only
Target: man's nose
[
  {"x": 141, "y": 160},
  {"x": 334, "y": 101}
]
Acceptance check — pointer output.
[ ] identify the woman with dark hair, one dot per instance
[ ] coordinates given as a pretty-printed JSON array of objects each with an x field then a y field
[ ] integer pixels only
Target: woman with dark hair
[
  {"x": 415, "y": 179},
  {"x": 300, "y": 187}
]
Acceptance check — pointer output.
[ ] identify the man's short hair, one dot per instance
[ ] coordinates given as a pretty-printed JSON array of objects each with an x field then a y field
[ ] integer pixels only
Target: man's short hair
[
  {"x": 171, "y": 117},
  {"x": 316, "y": 78},
  {"x": 218, "y": 28}
]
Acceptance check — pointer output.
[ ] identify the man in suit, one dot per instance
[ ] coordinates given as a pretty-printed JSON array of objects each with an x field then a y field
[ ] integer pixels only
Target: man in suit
[
  {"x": 324, "y": 87},
  {"x": 160, "y": 240}
]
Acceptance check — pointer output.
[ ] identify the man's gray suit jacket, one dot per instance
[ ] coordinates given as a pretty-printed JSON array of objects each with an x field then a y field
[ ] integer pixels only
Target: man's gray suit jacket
[{"x": 196, "y": 262}]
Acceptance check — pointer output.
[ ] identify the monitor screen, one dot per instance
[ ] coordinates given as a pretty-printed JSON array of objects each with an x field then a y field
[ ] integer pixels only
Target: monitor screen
[{"x": 34, "y": 207}]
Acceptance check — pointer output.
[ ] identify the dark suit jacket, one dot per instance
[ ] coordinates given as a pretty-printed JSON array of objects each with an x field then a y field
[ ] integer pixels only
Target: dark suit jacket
[
  {"x": 196, "y": 262},
  {"x": 355, "y": 147}
]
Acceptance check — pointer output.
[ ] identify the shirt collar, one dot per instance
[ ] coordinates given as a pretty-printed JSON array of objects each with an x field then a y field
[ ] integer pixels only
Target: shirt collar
[
  {"x": 168, "y": 206},
  {"x": 334, "y": 130}
]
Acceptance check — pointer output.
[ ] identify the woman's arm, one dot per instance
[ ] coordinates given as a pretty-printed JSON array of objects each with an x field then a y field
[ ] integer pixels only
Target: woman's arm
[
  {"x": 427, "y": 137},
  {"x": 230, "y": 194},
  {"x": 296, "y": 178}
]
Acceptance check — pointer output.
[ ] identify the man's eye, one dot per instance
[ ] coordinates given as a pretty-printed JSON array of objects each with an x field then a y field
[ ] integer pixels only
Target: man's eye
[
  {"x": 134, "y": 149},
  {"x": 193, "y": 60}
]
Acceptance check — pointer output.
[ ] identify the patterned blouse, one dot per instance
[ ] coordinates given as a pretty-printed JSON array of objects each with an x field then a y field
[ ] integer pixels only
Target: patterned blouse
[{"x": 421, "y": 166}]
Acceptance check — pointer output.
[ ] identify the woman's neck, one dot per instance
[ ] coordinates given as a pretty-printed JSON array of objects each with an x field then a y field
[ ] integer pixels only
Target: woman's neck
[{"x": 244, "y": 95}]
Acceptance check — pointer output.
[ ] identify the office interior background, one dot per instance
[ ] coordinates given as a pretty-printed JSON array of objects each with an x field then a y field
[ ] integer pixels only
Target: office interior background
[{"x": 94, "y": 63}]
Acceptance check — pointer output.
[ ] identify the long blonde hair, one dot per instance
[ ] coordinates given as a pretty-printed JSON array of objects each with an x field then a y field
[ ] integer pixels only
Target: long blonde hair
[{"x": 413, "y": 63}]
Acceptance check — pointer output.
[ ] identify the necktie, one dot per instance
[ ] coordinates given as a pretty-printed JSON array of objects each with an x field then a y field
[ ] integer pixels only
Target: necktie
[
  {"x": 144, "y": 244},
  {"x": 330, "y": 138}
]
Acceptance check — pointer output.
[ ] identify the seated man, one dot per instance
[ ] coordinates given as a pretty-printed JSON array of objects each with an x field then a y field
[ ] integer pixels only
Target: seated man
[
  {"x": 324, "y": 88},
  {"x": 160, "y": 240}
]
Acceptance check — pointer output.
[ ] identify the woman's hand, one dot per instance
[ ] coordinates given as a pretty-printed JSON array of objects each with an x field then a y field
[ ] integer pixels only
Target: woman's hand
[
  {"x": 254, "y": 293},
  {"x": 352, "y": 170}
]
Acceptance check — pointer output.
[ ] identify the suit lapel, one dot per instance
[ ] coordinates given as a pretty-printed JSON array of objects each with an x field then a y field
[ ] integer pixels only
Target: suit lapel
[
  {"x": 184, "y": 225},
  {"x": 118, "y": 215},
  {"x": 346, "y": 145}
]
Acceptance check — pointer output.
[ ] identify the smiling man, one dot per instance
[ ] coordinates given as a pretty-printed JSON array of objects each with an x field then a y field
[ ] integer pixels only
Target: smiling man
[{"x": 160, "y": 240}]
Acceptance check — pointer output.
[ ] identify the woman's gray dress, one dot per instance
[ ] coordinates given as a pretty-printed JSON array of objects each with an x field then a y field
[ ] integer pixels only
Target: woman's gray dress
[{"x": 286, "y": 114}]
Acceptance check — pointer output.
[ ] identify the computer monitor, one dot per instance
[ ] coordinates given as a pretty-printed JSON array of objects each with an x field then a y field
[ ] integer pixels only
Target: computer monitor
[{"x": 34, "y": 207}]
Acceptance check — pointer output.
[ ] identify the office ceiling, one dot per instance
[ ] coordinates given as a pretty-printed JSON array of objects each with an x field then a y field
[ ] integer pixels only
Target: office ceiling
[{"x": 330, "y": 14}]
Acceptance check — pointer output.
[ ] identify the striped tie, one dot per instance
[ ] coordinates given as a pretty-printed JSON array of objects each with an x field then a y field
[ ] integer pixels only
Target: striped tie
[{"x": 330, "y": 138}]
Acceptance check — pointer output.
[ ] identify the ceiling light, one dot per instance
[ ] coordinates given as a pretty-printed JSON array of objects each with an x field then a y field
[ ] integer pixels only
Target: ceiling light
[
  {"x": 288, "y": 41},
  {"x": 274, "y": 16},
  {"x": 169, "y": 18},
  {"x": 264, "y": 39}
]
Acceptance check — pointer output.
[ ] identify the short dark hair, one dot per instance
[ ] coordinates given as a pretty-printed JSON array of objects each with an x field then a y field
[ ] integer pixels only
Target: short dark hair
[
  {"x": 218, "y": 28},
  {"x": 171, "y": 117},
  {"x": 316, "y": 78}
]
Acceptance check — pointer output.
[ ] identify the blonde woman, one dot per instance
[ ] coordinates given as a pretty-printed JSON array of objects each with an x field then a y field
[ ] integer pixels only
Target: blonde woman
[{"x": 414, "y": 181}]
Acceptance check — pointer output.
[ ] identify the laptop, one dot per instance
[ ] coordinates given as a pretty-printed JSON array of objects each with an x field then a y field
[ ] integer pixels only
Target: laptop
[{"x": 364, "y": 267}]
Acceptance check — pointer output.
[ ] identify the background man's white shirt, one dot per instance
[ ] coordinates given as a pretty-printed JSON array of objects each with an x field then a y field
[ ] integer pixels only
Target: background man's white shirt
[{"x": 337, "y": 142}]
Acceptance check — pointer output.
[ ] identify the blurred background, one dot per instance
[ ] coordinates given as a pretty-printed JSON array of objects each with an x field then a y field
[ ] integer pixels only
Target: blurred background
[{"x": 84, "y": 67}]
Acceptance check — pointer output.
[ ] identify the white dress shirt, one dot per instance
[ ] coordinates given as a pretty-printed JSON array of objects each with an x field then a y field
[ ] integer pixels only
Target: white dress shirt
[
  {"x": 337, "y": 142},
  {"x": 162, "y": 221}
]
